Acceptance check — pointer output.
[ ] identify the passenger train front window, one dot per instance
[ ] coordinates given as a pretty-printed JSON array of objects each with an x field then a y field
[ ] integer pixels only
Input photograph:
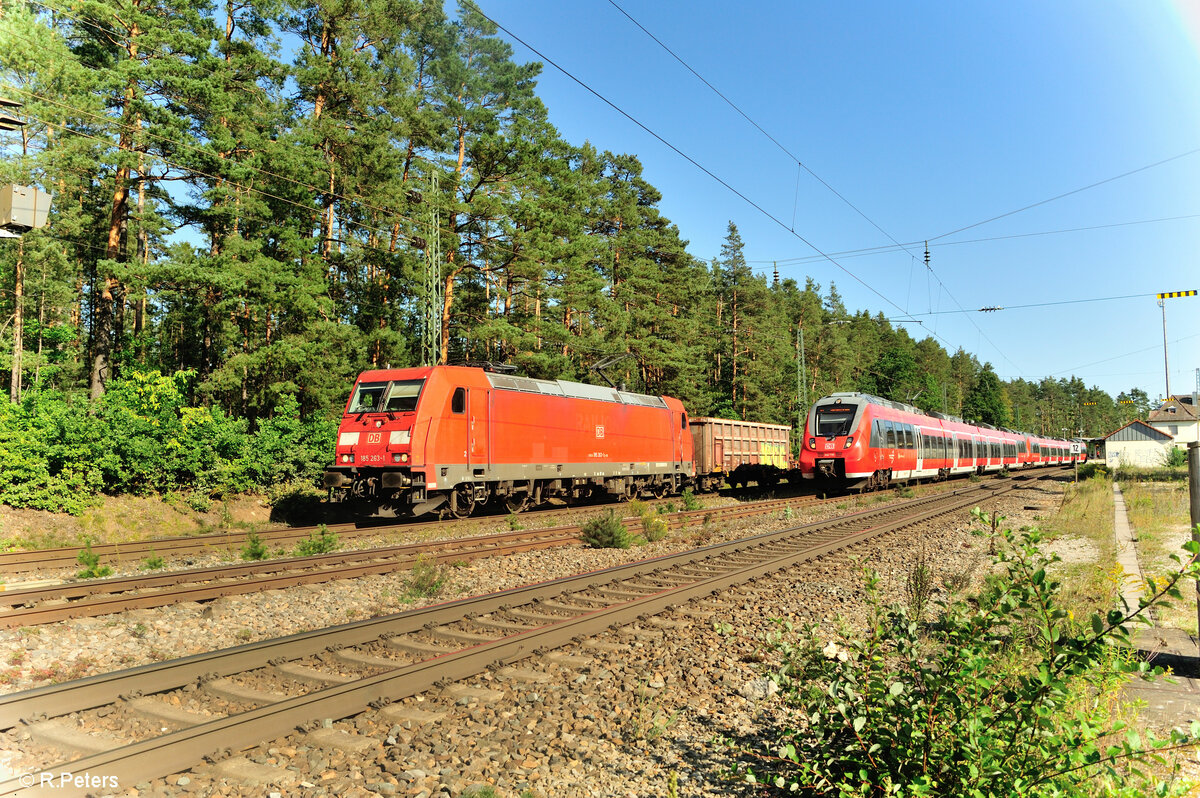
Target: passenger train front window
[{"x": 834, "y": 421}]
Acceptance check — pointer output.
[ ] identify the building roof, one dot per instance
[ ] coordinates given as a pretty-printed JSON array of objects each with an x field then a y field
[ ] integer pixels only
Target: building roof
[
  {"x": 1176, "y": 409},
  {"x": 1137, "y": 430}
]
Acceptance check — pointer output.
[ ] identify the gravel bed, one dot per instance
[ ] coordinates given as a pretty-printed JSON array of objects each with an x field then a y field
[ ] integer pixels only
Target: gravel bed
[{"x": 641, "y": 707}]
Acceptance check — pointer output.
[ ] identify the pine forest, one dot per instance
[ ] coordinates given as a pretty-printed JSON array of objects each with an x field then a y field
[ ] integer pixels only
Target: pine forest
[{"x": 254, "y": 201}]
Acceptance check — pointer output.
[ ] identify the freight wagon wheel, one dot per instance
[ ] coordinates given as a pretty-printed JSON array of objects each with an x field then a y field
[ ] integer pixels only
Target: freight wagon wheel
[{"x": 462, "y": 501}]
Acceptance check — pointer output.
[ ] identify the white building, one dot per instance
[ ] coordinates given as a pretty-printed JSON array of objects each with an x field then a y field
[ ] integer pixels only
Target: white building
[
  {"x": 1136, "y": 444},
  {"x": 1179, "y": 418}
]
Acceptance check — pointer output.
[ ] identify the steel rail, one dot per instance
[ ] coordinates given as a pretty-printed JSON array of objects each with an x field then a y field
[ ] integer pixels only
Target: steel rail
[
  {"x": 103, "y": 596},
  {"x": 181, "y": 749},
  {"x": 25, "y": 560},
  {"x": 93, "y": 691}
]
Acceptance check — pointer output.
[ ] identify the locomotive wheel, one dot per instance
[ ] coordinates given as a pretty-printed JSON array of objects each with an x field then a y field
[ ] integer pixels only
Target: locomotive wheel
[
  {"x": 660, "y": 490},
  {"x": 516, "y": 503},
  {"x": 462, "y": 501}
]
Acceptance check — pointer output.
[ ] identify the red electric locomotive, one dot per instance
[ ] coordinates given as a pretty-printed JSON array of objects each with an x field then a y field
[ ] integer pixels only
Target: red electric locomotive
[
  {"x": 452, "y": 438},
  {"x": 864, "y": 443}
]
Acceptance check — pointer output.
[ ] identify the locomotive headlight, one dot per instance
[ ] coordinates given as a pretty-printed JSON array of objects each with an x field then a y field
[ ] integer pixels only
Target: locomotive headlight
[
  {"x": 348, "y": 458},
  {"x": 849, "y": 442},
  {"x": 404, "y": 458},
  {"x": 400, "y": 436},
  {"x": 348, "y": 439},
  {"x": 395, "y": 458}
]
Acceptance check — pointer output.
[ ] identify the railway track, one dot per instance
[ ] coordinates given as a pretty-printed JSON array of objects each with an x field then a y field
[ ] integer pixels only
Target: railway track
[
  {"x": 216, "y": 702},
  {"x": 228, "y": 543},
  {"x": 49, "y": 603}
]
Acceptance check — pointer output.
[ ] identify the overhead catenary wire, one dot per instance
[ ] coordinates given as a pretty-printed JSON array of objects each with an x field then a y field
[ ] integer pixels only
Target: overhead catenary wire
[
  {"x": 997, "y": 308},
  {"x": 698, "y": 165},
  {"x": 821, "y": 180},
  {"x": 885, "y": 249},
  {"x": 1068, "y": 193}
]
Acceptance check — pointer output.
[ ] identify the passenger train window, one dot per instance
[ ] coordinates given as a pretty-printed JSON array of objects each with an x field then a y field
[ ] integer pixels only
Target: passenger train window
[
  {"x": 889, "y": 434},
  {"x": 908, "y": 436},
  {"x": 876, "y": 434},
  {"x": 458, "y": 403},
  {"x": 834, "y": 420}
]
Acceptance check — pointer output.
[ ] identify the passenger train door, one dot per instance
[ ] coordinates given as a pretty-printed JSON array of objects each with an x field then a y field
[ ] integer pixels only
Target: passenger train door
[{"x": 919, "y": 442}]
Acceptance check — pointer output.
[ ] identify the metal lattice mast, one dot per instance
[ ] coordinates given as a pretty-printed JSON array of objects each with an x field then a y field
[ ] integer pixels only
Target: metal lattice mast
[{"x": 431, "y": 338}]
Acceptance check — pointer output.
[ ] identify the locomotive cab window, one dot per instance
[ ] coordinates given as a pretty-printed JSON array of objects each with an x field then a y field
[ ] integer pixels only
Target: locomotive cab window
[
  {"x": 367, "y": 397},
  {"x": 458, "y": 403},
  {"x": 401, "y": 396},
  {"x": 834, "y": 420}
]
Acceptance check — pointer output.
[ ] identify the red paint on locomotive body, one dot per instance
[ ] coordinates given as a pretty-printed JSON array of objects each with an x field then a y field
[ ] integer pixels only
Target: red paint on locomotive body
[
  {"x": 454, "y": 437},
  {"x": 866, "y": 442}
]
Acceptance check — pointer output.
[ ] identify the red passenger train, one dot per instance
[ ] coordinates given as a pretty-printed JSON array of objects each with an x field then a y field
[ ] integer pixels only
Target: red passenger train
[
  {"x": 452, "y": 438},
  {"x": 863, "y": 442}
]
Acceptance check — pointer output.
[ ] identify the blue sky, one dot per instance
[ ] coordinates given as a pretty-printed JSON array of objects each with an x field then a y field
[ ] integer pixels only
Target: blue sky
[{"x": 928, "y": 117}]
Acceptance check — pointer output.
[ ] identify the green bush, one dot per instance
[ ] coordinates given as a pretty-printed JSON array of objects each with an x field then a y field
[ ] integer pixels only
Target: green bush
[
  {"x": 90, "y": 560},
  {"x": 638, "y": 507},
  {"x": 606, "y": 532},
  {"x": 653, "y": 528},
  {"x": 1004, "y": 695},
  {"x": 254, "y": 549},
  {"x": 690, "y": 502},
  {"x": 427, "y": 578},
  {"x": 143, "y": 437},
  {"x": 46, "y": 446},
  {"x": 1176, "y": 457},
  {"x": 320, "y": 542},
  {"x": 1093, "y": 469}
]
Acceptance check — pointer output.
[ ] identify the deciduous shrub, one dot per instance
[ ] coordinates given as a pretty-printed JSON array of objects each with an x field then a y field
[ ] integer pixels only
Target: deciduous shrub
[
  {"x": 145, "y": 436},
  {"x": 1005, "y": 695},
  {"x": 653, "y": 528}
]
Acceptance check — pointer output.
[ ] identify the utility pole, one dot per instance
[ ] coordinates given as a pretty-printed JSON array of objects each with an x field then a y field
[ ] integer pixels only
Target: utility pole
[
  {"x": 431, "y": 338},
  {"x": 22, "y": 208},
  {"x": 1163, "y": 305},
  {"x": 1194, "y": 495}
]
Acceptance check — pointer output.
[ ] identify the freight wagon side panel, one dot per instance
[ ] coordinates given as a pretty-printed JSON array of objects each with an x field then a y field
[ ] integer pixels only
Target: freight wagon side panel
[{"x": 723, "y": 444}]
